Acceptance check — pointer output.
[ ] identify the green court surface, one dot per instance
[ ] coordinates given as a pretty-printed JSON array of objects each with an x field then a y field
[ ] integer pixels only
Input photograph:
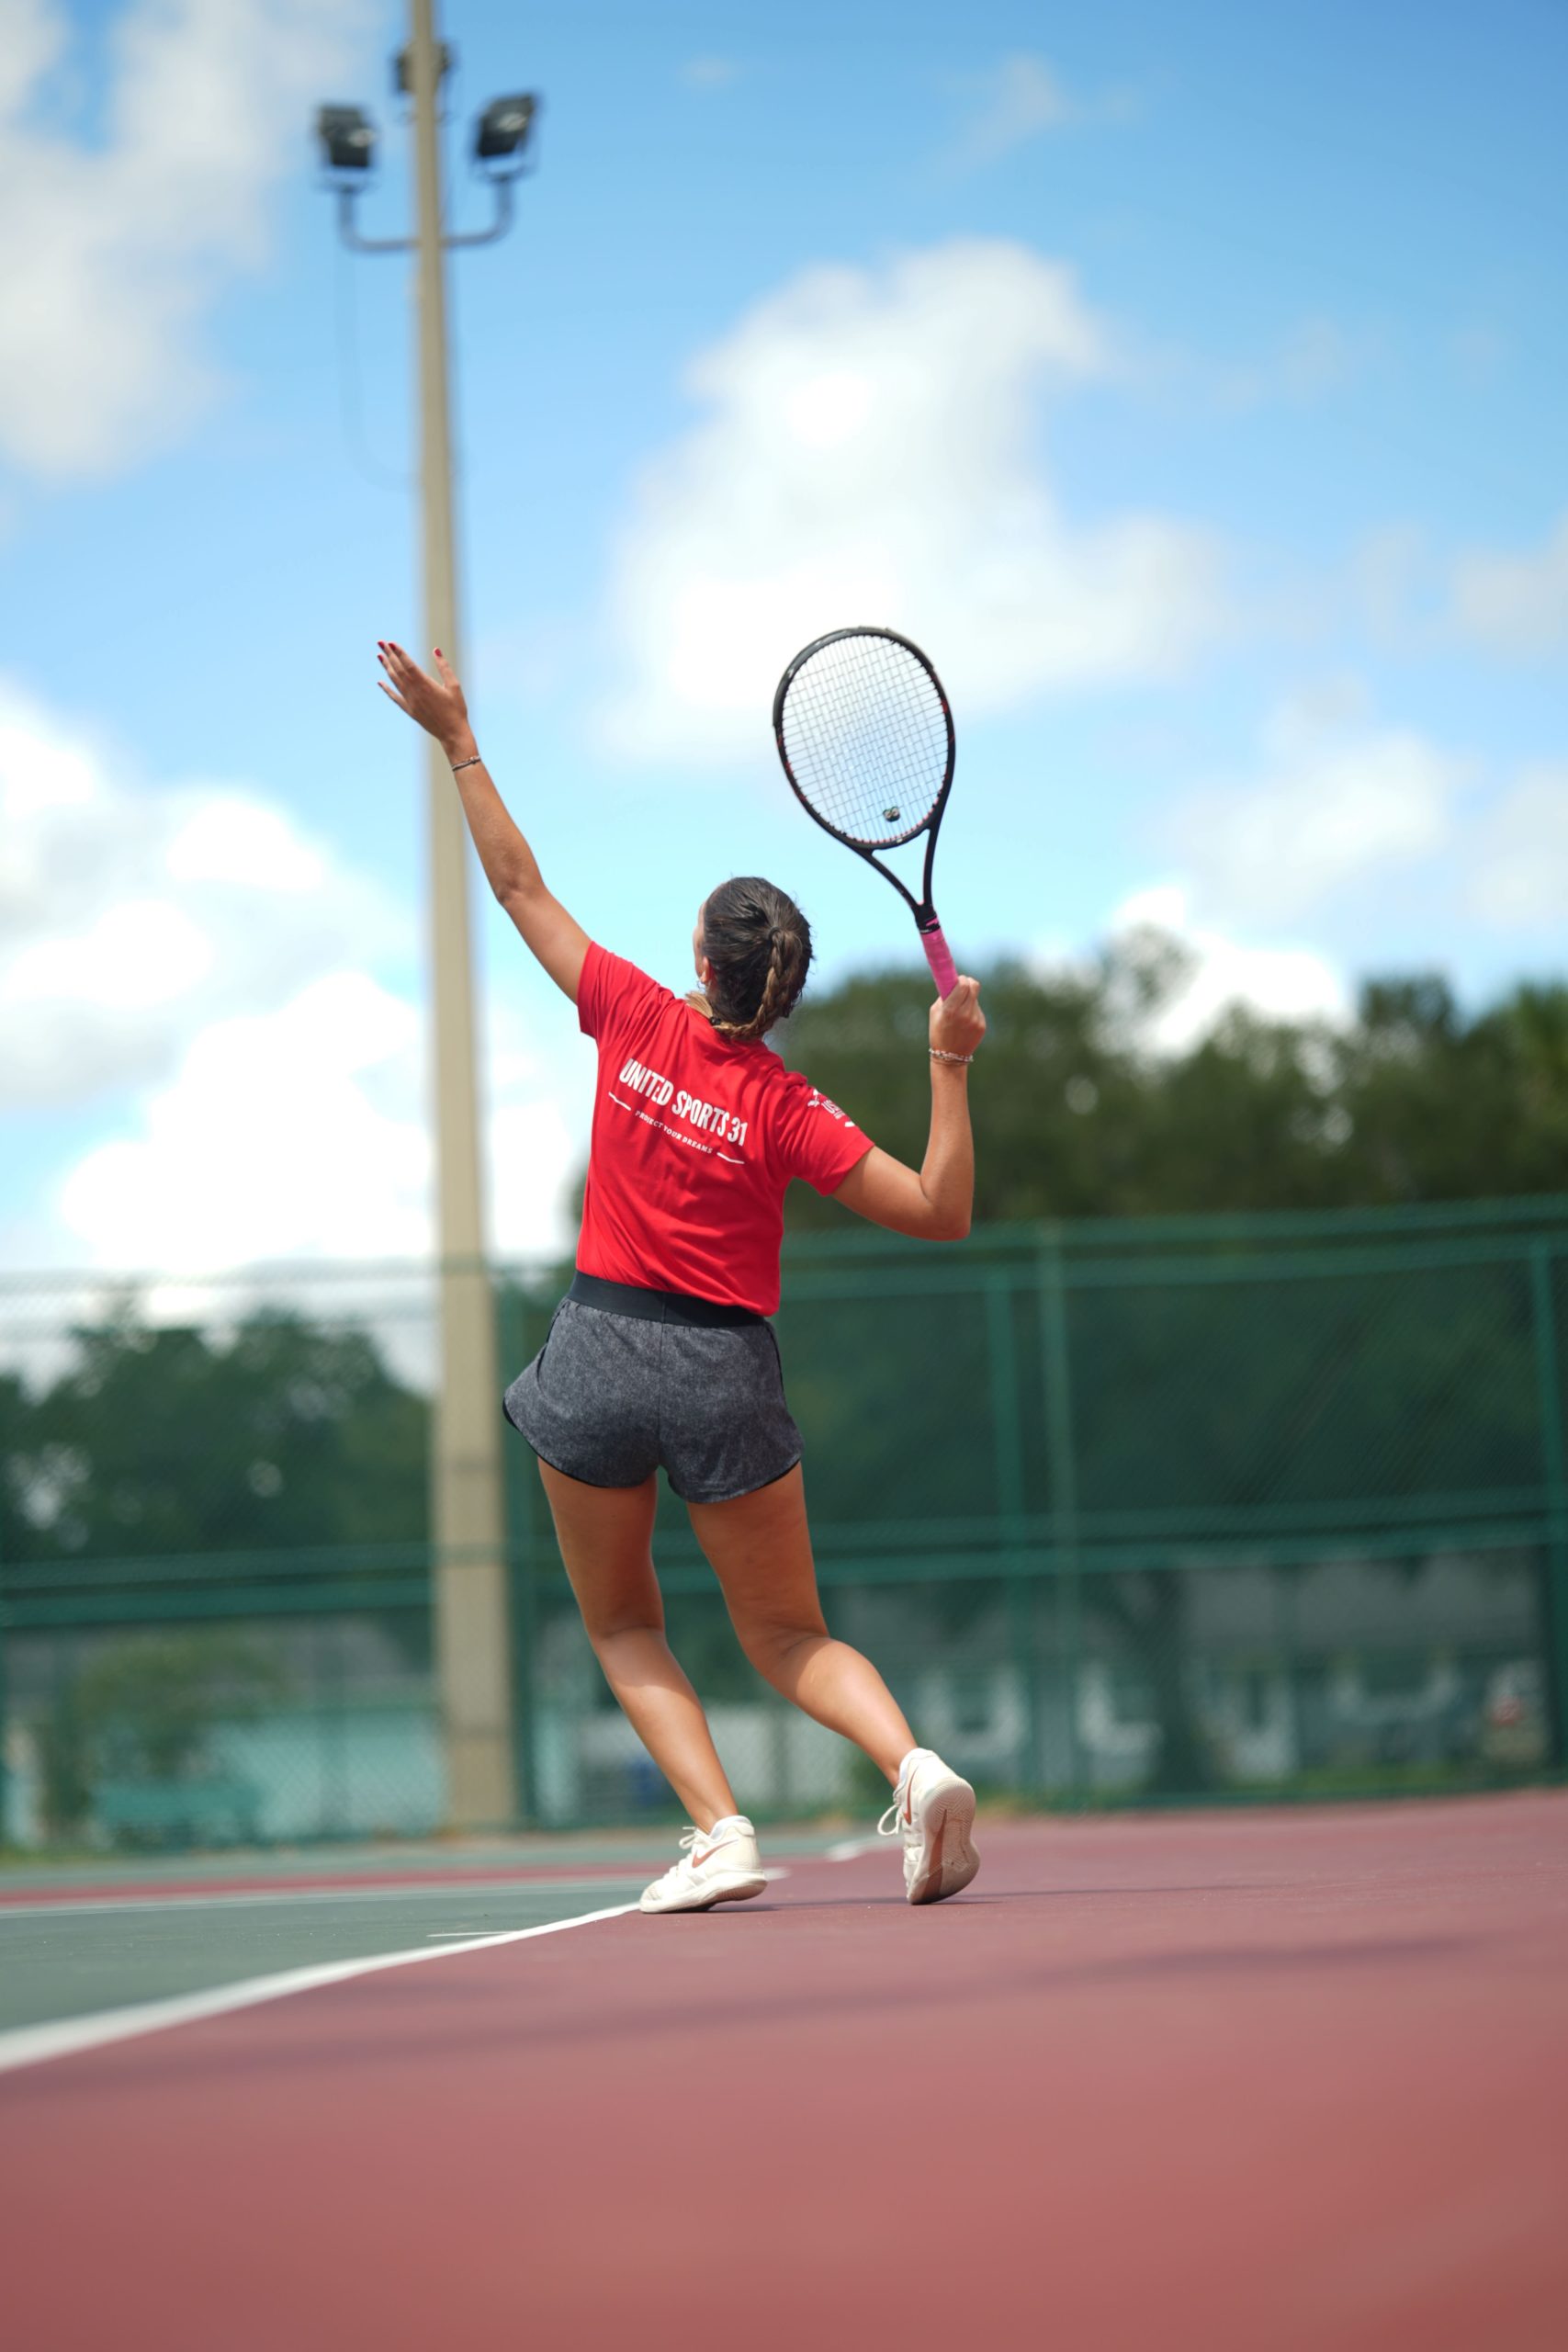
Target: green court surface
[
  {"x": 89, "y": 1937},
  {"x": 412, "y": 1859}
]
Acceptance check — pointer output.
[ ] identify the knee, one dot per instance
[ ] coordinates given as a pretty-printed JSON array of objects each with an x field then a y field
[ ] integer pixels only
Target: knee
[
  {"x": 773, "y": 1647},
  {"x": 613, "y": 1629}
]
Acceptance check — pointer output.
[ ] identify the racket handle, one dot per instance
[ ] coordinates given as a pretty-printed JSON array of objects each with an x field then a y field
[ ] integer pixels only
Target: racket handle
[{"x": 939, "y": 956}]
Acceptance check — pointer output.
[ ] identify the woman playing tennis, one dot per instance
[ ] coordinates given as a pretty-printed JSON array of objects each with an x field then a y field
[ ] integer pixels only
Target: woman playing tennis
[{"x": 660, "y": 1356}]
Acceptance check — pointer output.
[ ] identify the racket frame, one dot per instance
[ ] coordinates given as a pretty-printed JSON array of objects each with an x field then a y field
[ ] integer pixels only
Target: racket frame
[{"x": 937, "y": 952}]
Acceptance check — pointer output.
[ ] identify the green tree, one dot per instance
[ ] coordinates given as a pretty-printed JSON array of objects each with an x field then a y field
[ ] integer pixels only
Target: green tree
[
  {"x": 159, "y": 1439},
  {"x": 15, "y": 1421},
  {"x": 1077, "y": 1114}
]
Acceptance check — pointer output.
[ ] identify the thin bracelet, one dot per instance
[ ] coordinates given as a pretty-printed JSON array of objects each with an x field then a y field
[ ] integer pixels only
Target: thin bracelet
[
  {"x": 938, "y": 1056},
  {"x": 477, "y": 761}
]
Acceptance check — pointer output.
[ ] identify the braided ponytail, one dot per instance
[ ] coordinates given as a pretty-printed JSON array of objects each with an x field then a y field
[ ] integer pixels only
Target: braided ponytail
[{"x": 758, "y": 945}]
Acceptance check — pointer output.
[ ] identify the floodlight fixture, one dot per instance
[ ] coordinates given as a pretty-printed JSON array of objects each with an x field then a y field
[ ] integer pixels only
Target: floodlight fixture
[
  {"x": 347, "y": 138},
  {"x": 501, "y": 133}
]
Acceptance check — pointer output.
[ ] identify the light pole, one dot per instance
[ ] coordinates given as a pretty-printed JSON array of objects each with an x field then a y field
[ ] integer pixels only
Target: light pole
[{"x": 467, "y": 1516}]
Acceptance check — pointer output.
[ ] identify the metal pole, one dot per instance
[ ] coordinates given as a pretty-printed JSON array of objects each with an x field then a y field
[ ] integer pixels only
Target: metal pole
[
  {"x": 470, "y": 1554},
  {"x": 1018, "y": 1568},
  {"x": 1063, "y": 1506}
]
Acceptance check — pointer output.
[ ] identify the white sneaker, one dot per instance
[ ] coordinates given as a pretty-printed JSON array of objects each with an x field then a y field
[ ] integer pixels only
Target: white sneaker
[
  {"x": 933, "y": 1812},
  {"x": 718, "y": 1865}
]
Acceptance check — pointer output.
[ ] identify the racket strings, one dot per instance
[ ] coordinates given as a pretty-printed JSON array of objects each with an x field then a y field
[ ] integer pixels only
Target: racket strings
[
  {"x": 866, "y": 735},
  {"x": 871, "y": 730}
]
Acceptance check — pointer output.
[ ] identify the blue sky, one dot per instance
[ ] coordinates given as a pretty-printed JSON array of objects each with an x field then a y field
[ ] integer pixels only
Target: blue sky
[{"x": 1189, "y": 381}]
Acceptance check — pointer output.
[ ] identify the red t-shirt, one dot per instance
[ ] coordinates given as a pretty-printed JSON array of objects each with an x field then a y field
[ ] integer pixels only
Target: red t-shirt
[{"x": 694, "y": 1140}]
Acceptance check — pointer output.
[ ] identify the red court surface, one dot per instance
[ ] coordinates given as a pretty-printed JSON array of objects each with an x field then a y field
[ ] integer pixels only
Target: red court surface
[{"x": 1244, "y": 2082}]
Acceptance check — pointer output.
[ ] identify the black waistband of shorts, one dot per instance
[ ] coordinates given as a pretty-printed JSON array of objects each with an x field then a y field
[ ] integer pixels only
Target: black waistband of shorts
[{"x": 657, "y": 1306}]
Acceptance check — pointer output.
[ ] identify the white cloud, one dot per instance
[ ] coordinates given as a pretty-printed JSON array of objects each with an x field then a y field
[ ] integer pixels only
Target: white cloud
[
  {"x": 268, "y": 1144},
  {"x": 1516, "y": 605},
  {"x": 534, "y": 1150},
  {"x": 132, "y": 916},
  {"x": 120, "y": 234},
  {"x": 1341, "y": 805},
  {"x": 35, "y": 37},
  {"x": 541, "y": 1096},
  {"x": 300, "y": 1134},
  {"x": 1338, "y": 800},
  {"x": 1014, "y": 103},
  {"x": 1519, "y": 875},
  {"x": 193, "y": 954},
  {"x": 869, "y": 451},
  {"x": 1289, "y": 984},
  {"x": 143, "y": 953},
  {"x": 229, "y": 839}
]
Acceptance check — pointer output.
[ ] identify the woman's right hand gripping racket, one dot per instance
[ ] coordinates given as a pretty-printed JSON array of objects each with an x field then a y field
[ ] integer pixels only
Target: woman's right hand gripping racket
[{"x": 865, "y": 736}]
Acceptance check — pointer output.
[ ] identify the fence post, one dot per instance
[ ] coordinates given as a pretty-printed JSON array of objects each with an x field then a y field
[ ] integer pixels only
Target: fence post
[
  {"x": 1549, "y": 1385},
  {"x": 1007, "y": 1456},
  {"x": 331, "y": 1725},
  {"x": 1064, "y": 1497},
  {"x": 1281, "y": 1580}
]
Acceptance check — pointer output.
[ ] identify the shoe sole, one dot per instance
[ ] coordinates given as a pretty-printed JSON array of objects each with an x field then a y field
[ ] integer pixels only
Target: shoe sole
[
  {"x": 734, "y": 1886},
  {"x": 948, "y": 1860}
]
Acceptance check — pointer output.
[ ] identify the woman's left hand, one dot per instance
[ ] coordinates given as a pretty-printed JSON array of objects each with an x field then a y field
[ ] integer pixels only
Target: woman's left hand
[{"x": 436, "y": 703}]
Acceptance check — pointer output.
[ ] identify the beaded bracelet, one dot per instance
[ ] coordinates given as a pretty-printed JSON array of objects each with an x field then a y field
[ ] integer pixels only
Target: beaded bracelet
[{"x": 938, "y": 1056}]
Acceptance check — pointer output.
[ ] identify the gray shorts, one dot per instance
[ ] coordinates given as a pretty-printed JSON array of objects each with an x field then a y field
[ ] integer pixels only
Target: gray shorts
[{"x": 612, "y": 1398}]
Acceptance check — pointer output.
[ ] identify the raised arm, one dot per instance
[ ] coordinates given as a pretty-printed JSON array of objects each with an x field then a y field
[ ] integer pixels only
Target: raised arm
[
  {"x": 511, "y": 868},
  {"x": 936, "y": 1203}
]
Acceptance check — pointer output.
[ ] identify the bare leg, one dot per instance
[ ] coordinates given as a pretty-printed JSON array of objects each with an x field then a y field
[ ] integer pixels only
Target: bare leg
[
  {"x": 760, "y": 1548},
  {"x": 604, "y": 1534}
]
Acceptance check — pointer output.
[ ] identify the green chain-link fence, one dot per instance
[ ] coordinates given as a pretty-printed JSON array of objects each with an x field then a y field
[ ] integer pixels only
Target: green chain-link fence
[{"x": 1180, "y": 1509}]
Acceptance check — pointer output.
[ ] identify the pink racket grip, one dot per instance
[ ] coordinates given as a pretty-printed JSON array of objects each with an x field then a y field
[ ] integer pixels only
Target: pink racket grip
[{"x": 939, "y": 956}]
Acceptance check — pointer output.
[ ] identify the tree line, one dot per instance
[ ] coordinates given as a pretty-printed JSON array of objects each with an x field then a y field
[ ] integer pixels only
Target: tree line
[
  {"x": 153, "y": 1440},
  {"x": 1077, "y": 1115}
]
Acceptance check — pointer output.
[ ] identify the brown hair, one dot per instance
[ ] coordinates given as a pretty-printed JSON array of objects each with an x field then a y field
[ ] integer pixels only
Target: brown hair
[{"x": 758, "y": 945}]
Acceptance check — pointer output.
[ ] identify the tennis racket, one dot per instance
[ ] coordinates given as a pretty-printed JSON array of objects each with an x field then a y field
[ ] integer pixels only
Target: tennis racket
[{"x": 865, "y": 736}]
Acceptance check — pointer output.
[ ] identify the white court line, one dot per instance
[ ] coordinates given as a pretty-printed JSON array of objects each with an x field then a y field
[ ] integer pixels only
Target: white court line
[
  {"x": 442, "y": 1935},
  {"x": 849, "y": 1850},
  {"x": 28, "y": 2046}
]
